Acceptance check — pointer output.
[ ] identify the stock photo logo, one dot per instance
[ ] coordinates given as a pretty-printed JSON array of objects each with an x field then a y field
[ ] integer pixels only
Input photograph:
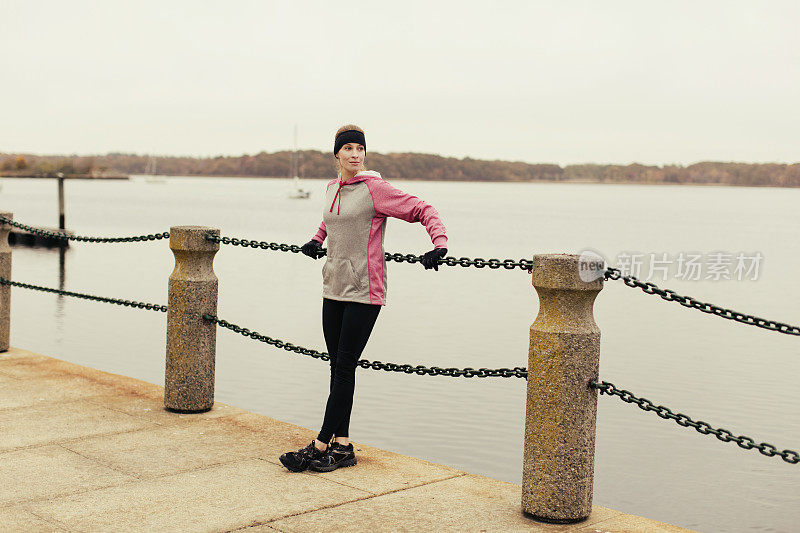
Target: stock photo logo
[
  {"x": 685, "y": 266},
  {"x": 591, "y": 265}
]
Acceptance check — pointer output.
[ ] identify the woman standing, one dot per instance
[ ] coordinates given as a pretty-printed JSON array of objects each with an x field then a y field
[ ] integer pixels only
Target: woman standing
[{"x": 354, "y": 283}]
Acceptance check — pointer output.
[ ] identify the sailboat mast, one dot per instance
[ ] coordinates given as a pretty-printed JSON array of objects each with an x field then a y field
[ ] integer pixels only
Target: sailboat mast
[
  {"x": 296, "y": 162},
  {"x": 299, "y": 157}
]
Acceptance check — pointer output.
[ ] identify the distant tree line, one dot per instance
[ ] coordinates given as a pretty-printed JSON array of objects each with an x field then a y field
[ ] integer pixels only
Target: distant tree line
[{"x": 411, "y": 166}]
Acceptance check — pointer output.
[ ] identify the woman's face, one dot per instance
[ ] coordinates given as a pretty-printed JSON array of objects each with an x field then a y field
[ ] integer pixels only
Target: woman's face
[{"x": 351, "y": 156}]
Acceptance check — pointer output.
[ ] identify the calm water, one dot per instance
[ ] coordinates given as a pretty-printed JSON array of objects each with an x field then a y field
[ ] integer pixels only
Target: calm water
[{"x": 733, "y": 376}]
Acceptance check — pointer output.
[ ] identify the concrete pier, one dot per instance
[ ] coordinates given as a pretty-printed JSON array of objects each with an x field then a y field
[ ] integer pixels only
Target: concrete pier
[{"x": 85, "y": 450}]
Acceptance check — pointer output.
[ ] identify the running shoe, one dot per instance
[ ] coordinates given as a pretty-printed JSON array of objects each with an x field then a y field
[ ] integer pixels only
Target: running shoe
[
  {"x": 336, "y": 456},
  {"x": 301, "y": 459}
]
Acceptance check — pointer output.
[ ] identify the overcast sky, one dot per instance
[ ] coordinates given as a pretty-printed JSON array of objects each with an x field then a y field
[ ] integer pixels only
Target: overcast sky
[{"x": 559, "y": 82}]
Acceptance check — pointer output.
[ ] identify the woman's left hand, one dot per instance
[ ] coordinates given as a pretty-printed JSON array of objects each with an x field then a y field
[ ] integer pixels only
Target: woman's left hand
[{"x": 431, "y": 259}]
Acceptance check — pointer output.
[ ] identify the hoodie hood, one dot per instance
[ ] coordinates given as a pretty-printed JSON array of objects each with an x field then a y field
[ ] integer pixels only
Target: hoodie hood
[{"x": 363, "y": 175}]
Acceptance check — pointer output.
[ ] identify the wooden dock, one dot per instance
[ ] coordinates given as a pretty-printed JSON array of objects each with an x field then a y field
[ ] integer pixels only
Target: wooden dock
[{"x": 85, "y": 450}]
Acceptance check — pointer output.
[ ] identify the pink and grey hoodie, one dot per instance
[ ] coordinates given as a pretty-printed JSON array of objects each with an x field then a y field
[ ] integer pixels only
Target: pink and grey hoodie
[{"x": 354, "y": 220}]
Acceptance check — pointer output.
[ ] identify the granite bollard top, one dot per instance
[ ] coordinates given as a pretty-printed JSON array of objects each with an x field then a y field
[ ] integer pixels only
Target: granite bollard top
[{"x": 85, "y": 450}]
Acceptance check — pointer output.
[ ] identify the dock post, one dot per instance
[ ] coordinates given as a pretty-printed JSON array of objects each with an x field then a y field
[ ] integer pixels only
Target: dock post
[
  {"x": 561, "y": 410},
  {"x": 61, "y": 221},
  {"x": 191, "y": 340},
  {"x": 5, "y": 290}
]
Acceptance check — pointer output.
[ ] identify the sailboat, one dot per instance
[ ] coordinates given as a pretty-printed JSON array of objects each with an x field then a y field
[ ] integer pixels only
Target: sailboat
[
  {"x": 294, "y": 164},
  {"x": 297, "y": 191}
]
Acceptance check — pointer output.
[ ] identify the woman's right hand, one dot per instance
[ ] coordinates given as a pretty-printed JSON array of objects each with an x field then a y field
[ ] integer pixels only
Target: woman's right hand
[{"x": 312, "y": 249}]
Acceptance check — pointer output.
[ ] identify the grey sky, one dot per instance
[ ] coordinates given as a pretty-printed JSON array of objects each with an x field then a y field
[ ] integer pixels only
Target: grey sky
[{"x": 561, "y": 82}]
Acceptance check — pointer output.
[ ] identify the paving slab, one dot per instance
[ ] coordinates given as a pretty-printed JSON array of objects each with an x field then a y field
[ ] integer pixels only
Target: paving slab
[
  {"x": 150, "y": 407},
  {"x": 51, "y": 471},
  {"x": 464, "y": 503},
  {"x": 173, "y": 448},
  {"x": 20, "y": 365},
  {"x": 18, "y": 519},
  {"x": 20, "y": 353},
  {"x": 218, "y": 498},
  {"x": 629, "y": 522},
  {"x": 28, "y": 374},
  {"x": 48, "y": 423},
  {"x": 21, "y": 392}
]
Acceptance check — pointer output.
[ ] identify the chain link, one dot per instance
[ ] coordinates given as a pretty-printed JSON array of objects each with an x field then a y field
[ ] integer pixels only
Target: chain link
[
  {"x": 747, "y": 443},
  {"x": 508, "y": 264},
  {"x": 688, "y": 301},
  {"x": 519, "y": 372},
  {"x": 67, "y": 237},
  {"x": 126, "y": 303}
]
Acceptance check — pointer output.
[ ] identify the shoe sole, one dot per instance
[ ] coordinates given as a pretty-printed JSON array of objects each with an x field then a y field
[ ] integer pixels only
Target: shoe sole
[
  {"x": 346, "y": 462},
  {"x": 291, "y": 468}
]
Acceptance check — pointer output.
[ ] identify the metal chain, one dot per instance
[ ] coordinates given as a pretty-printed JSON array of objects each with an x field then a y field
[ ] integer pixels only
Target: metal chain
[
  {"x": 126, "y": 303},
  {"x": 509, "y": 264},
  {"x": 519, "y": 372},
  {"x": 67, "y": 237},
  {"x": 681, "y": 419},
  {"x": 604, "y": 387},
  {"x": 688, "y": 301},
  {"x": 527, "y": 265}
]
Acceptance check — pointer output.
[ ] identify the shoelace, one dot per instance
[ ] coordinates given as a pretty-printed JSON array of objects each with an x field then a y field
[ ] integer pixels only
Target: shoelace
[
  {"x": 340, "y": 451},
  {"x": 308, "y": 451}
]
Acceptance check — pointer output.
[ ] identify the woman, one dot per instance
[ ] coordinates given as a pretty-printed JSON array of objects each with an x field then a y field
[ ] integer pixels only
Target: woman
[{"x": 354, "y": 283}]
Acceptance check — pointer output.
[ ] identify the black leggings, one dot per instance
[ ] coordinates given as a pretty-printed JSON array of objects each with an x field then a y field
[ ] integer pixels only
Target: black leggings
[{"x": 346, "y": 326}]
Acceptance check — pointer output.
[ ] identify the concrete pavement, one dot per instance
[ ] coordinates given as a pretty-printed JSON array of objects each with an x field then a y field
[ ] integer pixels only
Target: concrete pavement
[{"x": 85, "y": 450}]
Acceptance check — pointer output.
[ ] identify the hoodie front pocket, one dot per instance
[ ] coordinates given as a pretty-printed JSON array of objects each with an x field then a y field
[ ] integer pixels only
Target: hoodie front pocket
[{"x": 339, "y": 277}]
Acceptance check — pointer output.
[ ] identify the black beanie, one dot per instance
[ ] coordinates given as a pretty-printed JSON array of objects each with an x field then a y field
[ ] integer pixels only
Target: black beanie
[{"x": 349, "y": 136}]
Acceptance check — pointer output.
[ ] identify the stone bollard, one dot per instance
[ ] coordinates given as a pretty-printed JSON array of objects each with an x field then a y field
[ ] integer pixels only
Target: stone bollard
[
  {"x": 5, "y": 290},
  {"x": 191, "y": 340},
  {"x": 564, "y": 355}
]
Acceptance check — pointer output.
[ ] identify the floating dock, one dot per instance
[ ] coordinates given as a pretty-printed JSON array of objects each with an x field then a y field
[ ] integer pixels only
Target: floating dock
[
  {"x": 85, "y": 450},
  {"x": 21, "y": 237}
]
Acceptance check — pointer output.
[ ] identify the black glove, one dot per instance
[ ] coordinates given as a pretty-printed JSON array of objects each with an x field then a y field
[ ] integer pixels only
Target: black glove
[
  {"x": 312, "y": 249},
  {"x": 431, "y": 259}
]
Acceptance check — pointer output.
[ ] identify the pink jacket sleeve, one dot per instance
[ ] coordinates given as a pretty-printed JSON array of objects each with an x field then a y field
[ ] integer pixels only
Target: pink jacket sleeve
[
  {"x": 321, "y": 234},
  {"x": 392, "y": 202}
]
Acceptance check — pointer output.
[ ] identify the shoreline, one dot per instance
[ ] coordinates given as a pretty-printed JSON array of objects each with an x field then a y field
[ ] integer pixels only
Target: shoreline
[
  {"x": 570, "y": 181},
  {"x": 486, "y": 181}
]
